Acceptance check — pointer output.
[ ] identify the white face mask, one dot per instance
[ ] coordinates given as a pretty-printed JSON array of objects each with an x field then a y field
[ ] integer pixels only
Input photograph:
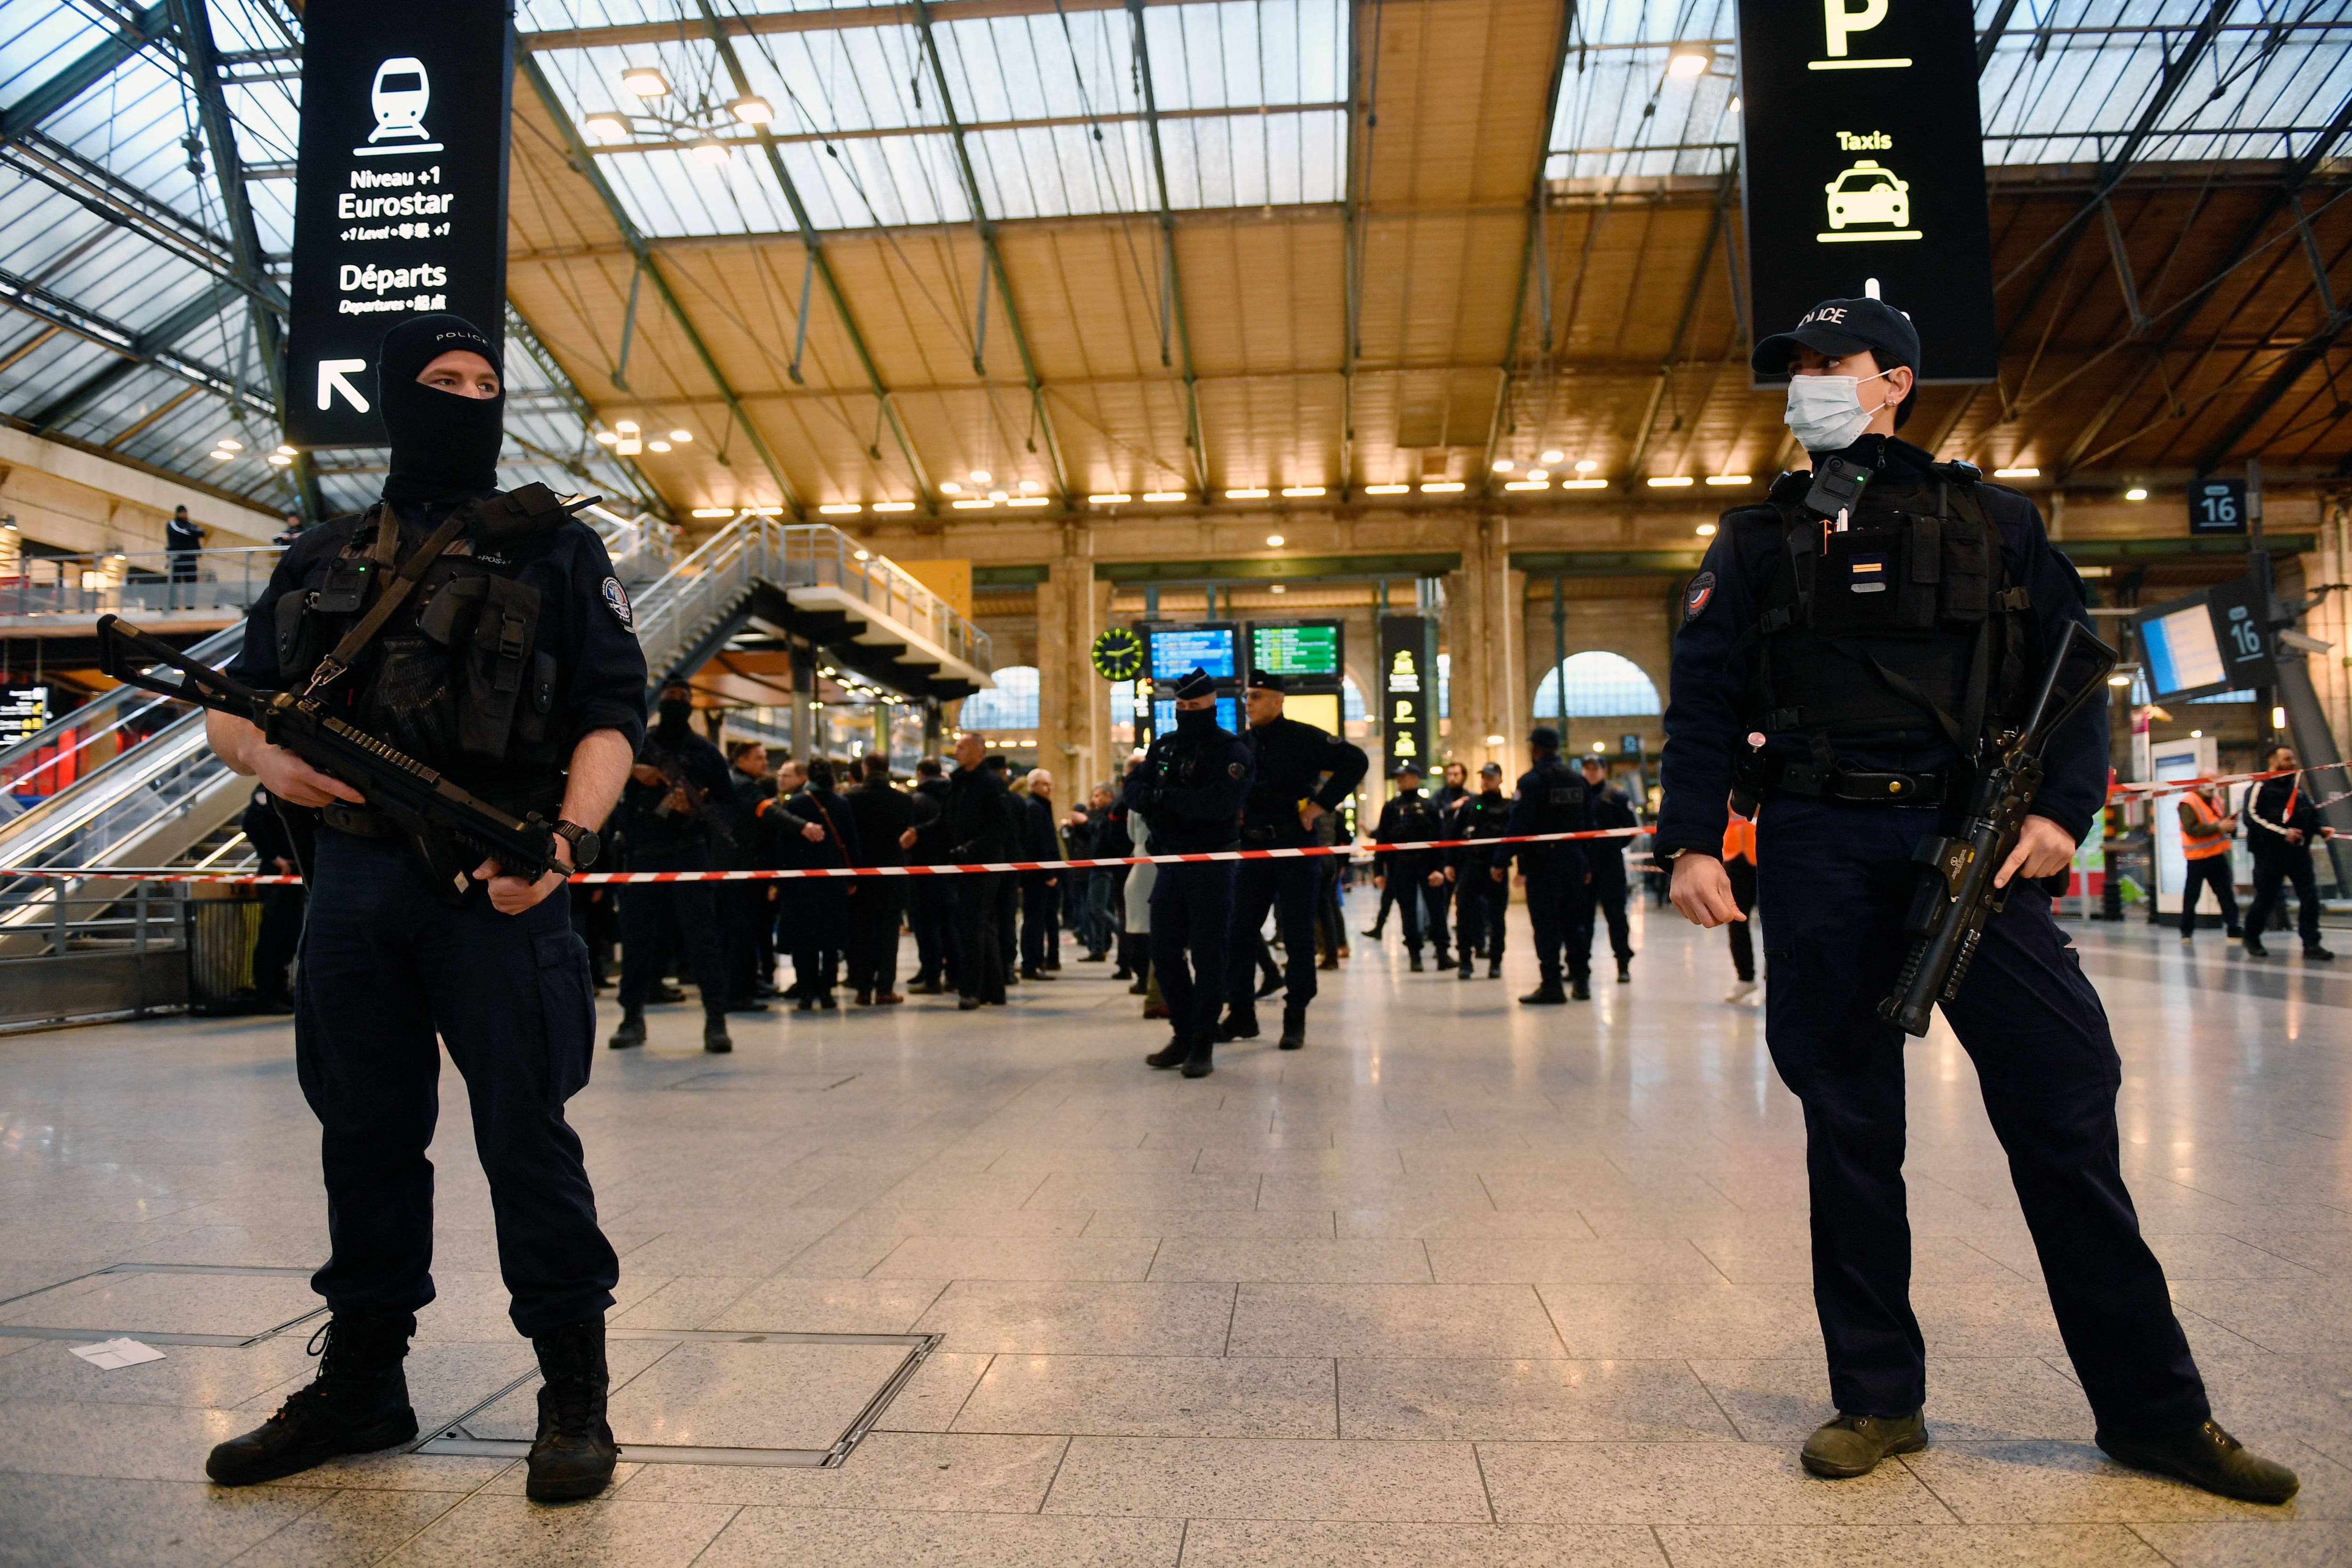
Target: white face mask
[{"x": 1826, "y": 412}]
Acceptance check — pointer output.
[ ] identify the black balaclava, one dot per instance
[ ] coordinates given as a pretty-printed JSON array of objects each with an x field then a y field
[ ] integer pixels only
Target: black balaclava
[
  {"x": 676, "y": 714},
  {"x": 1195, "y": 685},
  {"x": 445, "y": 446}
]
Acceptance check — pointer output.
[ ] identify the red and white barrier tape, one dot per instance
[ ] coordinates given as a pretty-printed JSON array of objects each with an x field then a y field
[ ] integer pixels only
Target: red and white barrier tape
[{"x": 240, "y": 879}]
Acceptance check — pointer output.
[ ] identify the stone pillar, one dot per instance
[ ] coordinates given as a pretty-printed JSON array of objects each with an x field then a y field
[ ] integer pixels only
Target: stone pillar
[
  {"x": 1484, "y": 639},
  {"x": 1073, "y": 716}
]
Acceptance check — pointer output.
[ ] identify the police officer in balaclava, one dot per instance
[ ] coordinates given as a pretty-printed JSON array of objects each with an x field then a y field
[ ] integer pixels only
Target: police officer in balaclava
[{"x": 512, "y": 667}]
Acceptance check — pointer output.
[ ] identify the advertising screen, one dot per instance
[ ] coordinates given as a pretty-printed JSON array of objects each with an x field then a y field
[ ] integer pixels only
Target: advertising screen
[
  {"x": 1175, "y": 651},
  {"x": 1300, "y": 647}
]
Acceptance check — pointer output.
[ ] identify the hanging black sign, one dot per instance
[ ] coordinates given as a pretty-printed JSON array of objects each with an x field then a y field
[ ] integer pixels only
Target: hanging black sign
[
  {"x": 1408, "y": 694},
  {"x": 1862, "y": 158},
  {"x": 400, "y": 203},
  {"x": 2217, "y": 506}
]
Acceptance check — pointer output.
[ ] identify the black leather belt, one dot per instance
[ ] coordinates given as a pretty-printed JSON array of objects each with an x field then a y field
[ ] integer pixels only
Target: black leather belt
[{"x": 1863, "y": 788}]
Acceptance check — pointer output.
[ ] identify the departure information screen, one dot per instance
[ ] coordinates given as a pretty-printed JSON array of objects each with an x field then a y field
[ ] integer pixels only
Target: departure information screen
[
  {"x": 1175, "y": 651},
  {"x": 2182, "y": 654},
  {"x": 1295, "y": 650},
  {"x": 1163, "y": 714}
]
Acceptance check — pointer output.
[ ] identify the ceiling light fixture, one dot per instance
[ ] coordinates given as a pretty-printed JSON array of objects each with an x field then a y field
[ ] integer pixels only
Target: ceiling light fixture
[
  {"x": 1554, "y": 456},
  {"x": 982, "y": 504},
  {"x": 980, "y": 476},
  {"x": 2017, "y": 473},
  {"x": 281, "y": 460},
  {"x": 1274, "y": 542},
  {"x": 752, "y": 109},
  {"x": 1247, "y": 495},
  {"x": 645, "y": 81},
  {"x": 1029, "y": 486},
  {"x": 1528, "y": 485},
  {"x": 712, "y": 151},
  {"x": 1504, "y": 465},
  {"x": 1442, "y": 488},
  {"x": 681, "y": 435},
  {"x": 625, "y": 427},
  {"x": 1539, "y": 473},
  {"x": 606, "y": 437},
  {"x": 949, "y": 487},
  {"x": 713, "y": 512},
  {"x": 1165, "y": 495},
  {"x": 657, "y": 446},
  {"x": 1303, "y": 493},
  {"x": 223, "y": 454},
  {"x": 2135, "y": 494},
  {"x": 605, "y": 126},
  {"x": 1109, "y": 498},
  {"x": 894, "y": 506},
  {"x": 998, "y": 495},
  {"x": 843, "y": 509},
  {"x": 285, "y": 451},
  {"x": 226, "y": 444},
  {"x": 1688, "y": 62},
  {"x": 1729, "y": 479},
  {"x": 1277, "y": 588},
  {"x": 1584, "y": 466},
  {"x": 1669, "y": 482},
  {"x": 1584, "y": 484},
  {"x": 1706, "y": 531},
  {"x": 1386, "y": 489}
]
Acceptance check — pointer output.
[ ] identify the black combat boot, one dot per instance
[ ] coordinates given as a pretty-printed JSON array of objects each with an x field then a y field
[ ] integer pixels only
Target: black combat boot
[
  {"x": 714, "y": 1034},
  {"x": 1199, "y": 1063},
  {"x": 631, "y": 1031},
  {"x": 1294, "y": 1029},
  {"x": 1580, "y": 988},
  {"x": 1625, "y": 972},
  {"x": 1416, "y": 962},
  {"x": 1495, "y": 968},
  {"x": 358, "y": 1403},
  {"x": 1172, "y": 1055},
  {"x": 573, "y": 1454},
  {"x": 1238, "y": 1026},
  {"x": 1546, "y": 993}
]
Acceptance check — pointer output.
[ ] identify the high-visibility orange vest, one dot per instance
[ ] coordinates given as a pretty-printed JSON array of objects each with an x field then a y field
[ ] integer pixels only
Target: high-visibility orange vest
[
  {"x": 1740, "y": 839},
  {"x": 2203, "y": 848}
]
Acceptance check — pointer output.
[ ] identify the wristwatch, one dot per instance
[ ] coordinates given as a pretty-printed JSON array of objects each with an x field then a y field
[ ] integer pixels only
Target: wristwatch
[{"x": 585, "y": 844}]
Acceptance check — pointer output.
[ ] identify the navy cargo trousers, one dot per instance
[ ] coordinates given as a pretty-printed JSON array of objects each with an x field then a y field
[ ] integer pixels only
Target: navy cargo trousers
[
  {"x": 1836, "y": 882},
  {"x": 386, "y": 967}
]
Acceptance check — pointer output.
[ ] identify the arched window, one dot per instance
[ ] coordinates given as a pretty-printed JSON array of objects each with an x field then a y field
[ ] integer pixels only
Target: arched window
[
  {"x": 1600, "y": 686},
  {"x": 1010, "y": 705}
]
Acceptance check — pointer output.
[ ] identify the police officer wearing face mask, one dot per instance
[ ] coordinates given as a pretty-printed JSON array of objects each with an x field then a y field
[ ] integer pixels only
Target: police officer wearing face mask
[
  {"x": 1189, "y": 789},
  {"x": 1299, "y": 774},
  {"x": 1843, "y": 663},
  {"x": 513, "y": 670}
]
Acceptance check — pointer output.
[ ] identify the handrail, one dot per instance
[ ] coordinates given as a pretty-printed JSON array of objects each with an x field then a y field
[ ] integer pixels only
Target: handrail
[
  {"x": 148, "y": 581},
  {"x": 102, "y": 717}
]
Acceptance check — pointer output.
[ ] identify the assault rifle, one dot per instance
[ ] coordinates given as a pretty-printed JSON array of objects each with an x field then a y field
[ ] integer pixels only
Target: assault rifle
[
  {"x": 453, "y": 830},
  {"x": 1957, "y": 895}
]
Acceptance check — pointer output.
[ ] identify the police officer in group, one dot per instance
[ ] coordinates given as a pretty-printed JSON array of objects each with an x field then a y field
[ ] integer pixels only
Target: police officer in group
[
  {"x": 1608, "y": 806},
  {"x": 1481, "y": 876},
  {"x": 1189, "y": 792},
  {"x": 746, "y": 910},
  {"x": 671, "y": 810},
  {"x": 542, "y": 713},
  {"x": 885, "y": 823},
  {"x": 1844, "y": 661},
  {"x": 1552, "y": 798},
  {"x": 1300, "y": 772},
  {"x": 979, "y": 832},
  {"x": 2281, "y": 824},
  {"x": 932, "y": 901},
  {"x": 1410, "y": 816}
]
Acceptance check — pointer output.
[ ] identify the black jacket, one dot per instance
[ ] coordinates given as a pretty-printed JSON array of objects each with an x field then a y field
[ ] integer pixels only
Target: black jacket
[
  {"x": 927, "y": 810},
  {"x": 1190, "y": 790},
  {"x": 882, "y": 813},
  {"x": 1296, "y": 761},
  {"x": 1409, "y": 817},
  {"x": 808, "y": 804},
  {"x": 2276, "y": 804},
  {"x": 1551, "y": 797},
  {"x": 651, "y": 829},
  {"x": 1706, "y": 722},
  {"x": 1040, "y": 837},
  {"x": 1480, "y": 817},
  {"x": 979, "y": 826}
]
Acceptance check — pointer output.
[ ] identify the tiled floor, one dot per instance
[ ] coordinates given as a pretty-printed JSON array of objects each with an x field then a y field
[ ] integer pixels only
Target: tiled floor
[{"x": 1463, "y": 1283}]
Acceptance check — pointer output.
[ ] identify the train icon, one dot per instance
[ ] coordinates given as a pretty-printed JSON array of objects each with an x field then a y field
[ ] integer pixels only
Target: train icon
[{"x": 399, "y": 96}]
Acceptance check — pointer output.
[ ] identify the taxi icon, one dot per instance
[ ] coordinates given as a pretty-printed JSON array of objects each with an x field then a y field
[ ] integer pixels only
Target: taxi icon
[{"x": 1869, "y": 193}]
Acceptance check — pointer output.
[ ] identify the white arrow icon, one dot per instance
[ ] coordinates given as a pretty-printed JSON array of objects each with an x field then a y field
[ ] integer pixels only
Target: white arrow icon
[{"x": 331, "y": 381}]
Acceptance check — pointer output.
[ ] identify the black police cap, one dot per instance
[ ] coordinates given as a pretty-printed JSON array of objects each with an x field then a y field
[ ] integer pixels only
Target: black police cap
[
  {"x": 1195, "y": 684},
  {"x": 1404, "y": 768},
  {"x": 1838, "y": 327},
  {"x": 1266, "y": 681},
  {"x": 1544, "y": 735}
]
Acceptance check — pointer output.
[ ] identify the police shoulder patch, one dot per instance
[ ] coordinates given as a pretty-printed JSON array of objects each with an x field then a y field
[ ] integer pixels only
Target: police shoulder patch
[
  {"x": 1702, "y": 589},
  {"x": 1236, "y": 769},
  {"x": 617, "y": 599}
]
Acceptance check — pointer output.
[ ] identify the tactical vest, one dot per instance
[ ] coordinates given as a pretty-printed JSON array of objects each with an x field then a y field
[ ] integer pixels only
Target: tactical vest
[
  {"x": 1903, "y": 621},
  {"x": 456, "y": 678}
]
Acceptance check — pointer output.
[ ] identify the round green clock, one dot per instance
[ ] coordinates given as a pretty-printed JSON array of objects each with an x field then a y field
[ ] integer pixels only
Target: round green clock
[{"x": 1119, "y": 655}]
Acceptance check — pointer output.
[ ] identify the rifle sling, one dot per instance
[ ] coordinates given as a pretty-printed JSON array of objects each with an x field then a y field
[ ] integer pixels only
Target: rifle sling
[{"x": 395, "y": 593}]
